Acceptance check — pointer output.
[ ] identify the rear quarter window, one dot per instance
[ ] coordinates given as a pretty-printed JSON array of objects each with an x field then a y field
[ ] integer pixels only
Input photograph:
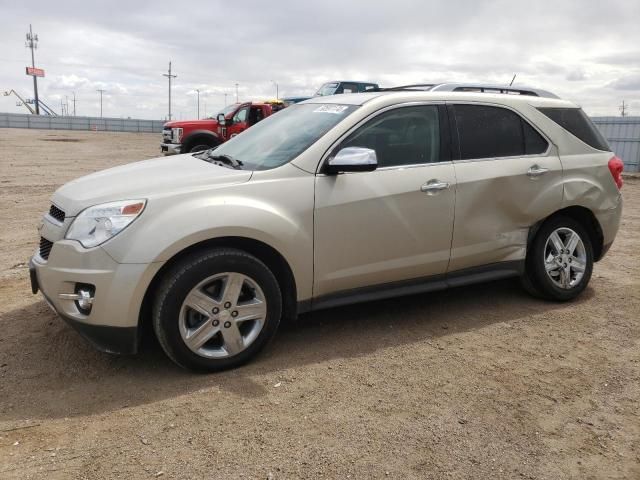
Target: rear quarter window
[
  {"x": 493, "y": 132},
  {"x": 576, "y": 122}
]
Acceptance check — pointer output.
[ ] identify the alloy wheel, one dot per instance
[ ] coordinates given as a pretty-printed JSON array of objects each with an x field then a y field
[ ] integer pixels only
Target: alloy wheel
[
  {"x": 222, "y": 315},
  {"x": 565, "y": 258}
]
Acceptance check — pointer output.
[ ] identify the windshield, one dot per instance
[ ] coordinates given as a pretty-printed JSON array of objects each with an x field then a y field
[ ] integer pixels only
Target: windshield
[
  {"x": 327, "y": 89},
  {"x": 226, "y": 110},
  {"x": 280, "y": 138}
]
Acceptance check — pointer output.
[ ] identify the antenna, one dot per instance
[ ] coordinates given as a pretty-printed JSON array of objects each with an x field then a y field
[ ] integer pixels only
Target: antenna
[{"x": 514, "y": 77}]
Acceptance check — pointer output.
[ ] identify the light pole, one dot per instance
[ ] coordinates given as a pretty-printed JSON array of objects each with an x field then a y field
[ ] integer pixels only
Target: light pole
[
  {"x": 198, "y": 91},
  {"x": 101, "y": 92},
  {"x": 169, "y": 76},
  {"x": 236, "y": 93},
  {"x": 276, "y": 84},
  {"x": 32, "y": 43},
  {"x": 225, "y": 99}
]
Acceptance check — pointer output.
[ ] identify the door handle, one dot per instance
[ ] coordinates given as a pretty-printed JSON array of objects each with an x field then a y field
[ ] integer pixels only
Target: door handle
[
  {"x": 434, "y": 186},
  {"x": 536, "y": 171}
]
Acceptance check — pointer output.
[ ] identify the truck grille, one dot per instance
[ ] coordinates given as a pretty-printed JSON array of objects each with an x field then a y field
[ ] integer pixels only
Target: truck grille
[
  {"x": 56, "y": 213},
  {"x": 45, "y": 248}
]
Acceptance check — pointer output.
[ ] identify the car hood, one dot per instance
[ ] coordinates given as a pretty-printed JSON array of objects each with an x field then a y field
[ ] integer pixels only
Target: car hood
[
  {"x": 208, "y": 123},
  {"x": 158, "y": 176}
]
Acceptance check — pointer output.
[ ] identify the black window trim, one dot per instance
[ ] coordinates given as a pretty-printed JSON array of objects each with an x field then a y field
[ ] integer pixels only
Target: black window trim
[
  {"x": 446, "y": 146},
  {"x": 455, "y": 138}
]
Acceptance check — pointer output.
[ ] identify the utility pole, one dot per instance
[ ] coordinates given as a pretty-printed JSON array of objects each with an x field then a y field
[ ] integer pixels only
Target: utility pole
[
  {"x": 101, "y": 92},
  {"x": 169, "y": 76},
  {"x": 198, "y": 91},
  {"x": 61, "y": 107},
  {"x": 624, "y": 109},
  {"x": 74, "y": 104},
  {"x": 236, "y": 93},
  {"x": 276, "y": 84},
  {"x": 32, "y": 43}
]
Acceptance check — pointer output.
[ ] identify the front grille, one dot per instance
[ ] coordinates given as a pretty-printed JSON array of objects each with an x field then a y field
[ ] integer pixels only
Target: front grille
[
  {"x": 45, "y": 248},
  {"x": 56, "y": 213}
]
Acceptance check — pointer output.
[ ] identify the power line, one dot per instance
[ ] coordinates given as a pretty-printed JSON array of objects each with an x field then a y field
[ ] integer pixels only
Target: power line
[
  {"x": 32, "y": 43},
  {"x": 624, "y": 109},
  {"x": 169, "y": 76}
]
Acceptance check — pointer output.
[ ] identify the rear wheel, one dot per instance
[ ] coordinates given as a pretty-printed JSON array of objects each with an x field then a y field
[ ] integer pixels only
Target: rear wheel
[
  {"x": 559, "y": 261},
  {"x": 215, "y": 310}
]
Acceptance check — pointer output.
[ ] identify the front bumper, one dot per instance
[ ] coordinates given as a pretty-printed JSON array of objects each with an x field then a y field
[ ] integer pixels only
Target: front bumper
[
  {"x": 171, "y": 148},
  {"x": 112, "y": 324}
]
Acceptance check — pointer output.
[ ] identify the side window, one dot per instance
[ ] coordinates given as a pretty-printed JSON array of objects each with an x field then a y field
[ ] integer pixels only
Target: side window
[
  {"x": 349, "y": 88},
  {"x": 576, "y": 121},
  {"x": 241, "y": 115},
  {"x": 404, "y": 136},
  {"x": 491, "y": 132}
]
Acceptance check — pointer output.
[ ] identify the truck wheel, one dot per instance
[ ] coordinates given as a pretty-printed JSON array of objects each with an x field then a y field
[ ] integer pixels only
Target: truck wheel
[
  {"x": 559, "y": 261},
  {"x": 216, "y": 309},
  {"x": 200, "y": 147}
]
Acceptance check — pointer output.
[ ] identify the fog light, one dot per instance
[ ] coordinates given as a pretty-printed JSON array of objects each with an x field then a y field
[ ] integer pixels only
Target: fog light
[{"x": 83, "y": 298}]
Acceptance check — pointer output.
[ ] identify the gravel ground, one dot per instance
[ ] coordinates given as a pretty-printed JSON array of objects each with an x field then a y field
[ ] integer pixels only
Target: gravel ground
[{"x": 477, "y": 382}]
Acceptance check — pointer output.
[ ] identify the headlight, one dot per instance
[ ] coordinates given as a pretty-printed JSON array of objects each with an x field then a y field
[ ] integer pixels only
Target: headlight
[
  {"x": 176, "y": 135},
  {"x": 97, "y": 224}
]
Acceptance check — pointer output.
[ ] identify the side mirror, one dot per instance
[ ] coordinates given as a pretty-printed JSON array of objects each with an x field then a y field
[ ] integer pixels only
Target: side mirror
[
  {"x": 352, "y": 159},
  {"x": 222, "y": 121}
]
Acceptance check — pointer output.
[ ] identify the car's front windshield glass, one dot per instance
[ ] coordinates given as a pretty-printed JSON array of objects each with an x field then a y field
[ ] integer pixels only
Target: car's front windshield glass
[
  {"x": 283, "y": 136},
  {"x": 327, "y": 89},
  {"x": 226, "y": 110}
]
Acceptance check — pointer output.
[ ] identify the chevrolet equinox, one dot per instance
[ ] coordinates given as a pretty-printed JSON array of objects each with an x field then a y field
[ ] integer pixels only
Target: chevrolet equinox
[{"x": 332, "y": 201}]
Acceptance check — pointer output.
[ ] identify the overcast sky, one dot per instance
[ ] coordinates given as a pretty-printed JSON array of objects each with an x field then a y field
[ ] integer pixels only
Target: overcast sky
[{"x": 585, "y": 50}]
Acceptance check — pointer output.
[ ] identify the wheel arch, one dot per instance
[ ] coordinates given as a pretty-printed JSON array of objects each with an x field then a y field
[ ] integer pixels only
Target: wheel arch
[
  {"x": 190, "y": 140},
  {"x": 273, "y": 259},
  {"x": 586, "y": 218}
]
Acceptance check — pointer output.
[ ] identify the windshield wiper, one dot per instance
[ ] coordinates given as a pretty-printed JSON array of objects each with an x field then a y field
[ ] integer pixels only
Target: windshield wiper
[{"x": 226, "y": 159}]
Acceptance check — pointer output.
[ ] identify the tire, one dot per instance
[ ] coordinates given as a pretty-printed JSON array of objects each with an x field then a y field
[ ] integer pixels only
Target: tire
[
  {"x": 199, "y": 147},
  {"x": 196, "y": 319},
  {"x": 569, "y": 273}
]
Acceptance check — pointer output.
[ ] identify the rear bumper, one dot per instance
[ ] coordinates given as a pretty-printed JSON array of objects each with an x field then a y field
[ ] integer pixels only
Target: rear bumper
[
  {"x": 170, "y": 148},
  {"x": 609, "y": 221}
]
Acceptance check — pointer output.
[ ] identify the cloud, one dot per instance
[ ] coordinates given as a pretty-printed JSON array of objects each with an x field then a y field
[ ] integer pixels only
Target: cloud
[
  {"x": 214, "y": 45},
  {"x": 630, "y": 82}
]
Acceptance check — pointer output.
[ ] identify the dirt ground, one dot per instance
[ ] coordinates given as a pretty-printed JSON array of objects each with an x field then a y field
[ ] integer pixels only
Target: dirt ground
[{"x": 478, "y": 382}]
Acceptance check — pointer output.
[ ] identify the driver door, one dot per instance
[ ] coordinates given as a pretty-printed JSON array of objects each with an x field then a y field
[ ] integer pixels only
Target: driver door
[
  {"x": 389, "y": 225},
  {"x": 239, "y": 122}
]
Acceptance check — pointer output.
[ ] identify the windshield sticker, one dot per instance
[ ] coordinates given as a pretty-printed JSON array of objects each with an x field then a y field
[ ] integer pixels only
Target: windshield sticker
[{"x": 330, "y": 109}]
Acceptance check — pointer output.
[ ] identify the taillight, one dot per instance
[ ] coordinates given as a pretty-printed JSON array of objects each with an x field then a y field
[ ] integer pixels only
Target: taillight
[{"x": 615, "y": 167}]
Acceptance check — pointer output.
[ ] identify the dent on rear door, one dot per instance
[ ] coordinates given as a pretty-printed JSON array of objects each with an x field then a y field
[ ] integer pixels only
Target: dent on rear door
[{"x": 497, "y": 203}]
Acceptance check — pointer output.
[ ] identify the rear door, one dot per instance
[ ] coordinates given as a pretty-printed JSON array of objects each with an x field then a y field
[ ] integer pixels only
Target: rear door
[
  {"x": 509, "y": 177},
  {"x": 394, "y": 223}
]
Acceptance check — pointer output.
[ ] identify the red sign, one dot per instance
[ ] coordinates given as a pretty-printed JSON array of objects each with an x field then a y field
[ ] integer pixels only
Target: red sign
[{"x": 35, "y": 72}]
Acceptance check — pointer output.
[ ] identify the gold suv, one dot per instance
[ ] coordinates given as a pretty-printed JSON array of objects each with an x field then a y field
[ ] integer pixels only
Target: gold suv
[{"x": 336, "y": 200}]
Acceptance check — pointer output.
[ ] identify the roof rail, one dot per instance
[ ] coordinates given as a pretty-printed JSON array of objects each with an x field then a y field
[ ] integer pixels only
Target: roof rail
[
  {"x": 484, "y": 88},
  {"x": 423, "y": 87}
]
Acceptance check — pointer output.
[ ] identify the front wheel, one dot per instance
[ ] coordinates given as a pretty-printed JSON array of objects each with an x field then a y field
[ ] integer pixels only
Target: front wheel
[
  {"x": 559, "y": 261},
  {"x": 216, "y": 309}
]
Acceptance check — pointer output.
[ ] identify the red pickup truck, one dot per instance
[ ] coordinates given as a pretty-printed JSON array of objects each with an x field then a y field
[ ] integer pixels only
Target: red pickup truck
[{"x": 196, "y": 135}]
